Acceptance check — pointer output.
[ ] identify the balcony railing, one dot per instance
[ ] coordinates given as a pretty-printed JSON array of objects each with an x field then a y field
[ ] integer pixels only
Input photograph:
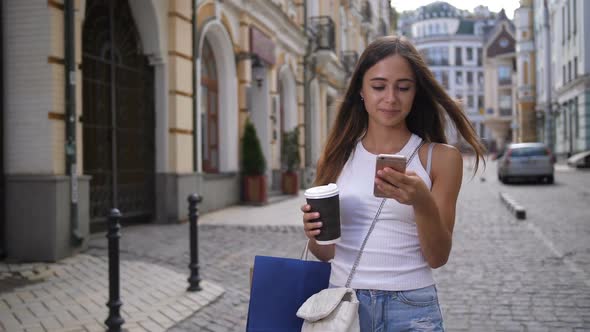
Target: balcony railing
[
  {"x": 323, "y": 28},
  {"x": 349, "y": 59},
  {"x": 505, "y": 112},
  {"x": 505, "y": 81}
]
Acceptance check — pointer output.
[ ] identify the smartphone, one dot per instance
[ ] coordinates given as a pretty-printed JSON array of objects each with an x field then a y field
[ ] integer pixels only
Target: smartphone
[{"x": 394, "y": 161}]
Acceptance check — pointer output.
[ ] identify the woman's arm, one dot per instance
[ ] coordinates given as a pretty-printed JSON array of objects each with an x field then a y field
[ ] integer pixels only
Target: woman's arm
[
  {"x": 434, "y": 209},
  {"x": 435, "y": 212}
]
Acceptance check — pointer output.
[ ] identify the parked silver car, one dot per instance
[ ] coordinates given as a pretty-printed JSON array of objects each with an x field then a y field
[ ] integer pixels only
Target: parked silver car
[{"x": 526, "y": 160}]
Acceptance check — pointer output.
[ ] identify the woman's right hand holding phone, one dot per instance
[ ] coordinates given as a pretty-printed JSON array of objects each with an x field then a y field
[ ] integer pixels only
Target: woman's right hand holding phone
[{"x": 310, "y": 225}]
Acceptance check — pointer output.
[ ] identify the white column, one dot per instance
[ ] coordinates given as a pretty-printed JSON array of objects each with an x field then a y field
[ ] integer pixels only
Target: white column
[{"x": 161, "y": 116}]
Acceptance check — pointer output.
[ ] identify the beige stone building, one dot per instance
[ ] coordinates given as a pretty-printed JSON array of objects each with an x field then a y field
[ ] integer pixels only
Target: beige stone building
[
  {"x": 526, "y": 73},
  {"x": 136, "y": 104},
  {"x": 140, "y": 105}
]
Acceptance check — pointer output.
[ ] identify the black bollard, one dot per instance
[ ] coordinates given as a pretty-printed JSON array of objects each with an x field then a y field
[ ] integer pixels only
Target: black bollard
[
  {"x": 193, "y": 216},
  {"x": 114, "y": 321}
]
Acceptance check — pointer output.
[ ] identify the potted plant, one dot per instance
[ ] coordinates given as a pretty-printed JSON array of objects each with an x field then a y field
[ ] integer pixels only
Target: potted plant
[
  {"x": 290, "y": 159},
  {"x": 253, "y": 167}
]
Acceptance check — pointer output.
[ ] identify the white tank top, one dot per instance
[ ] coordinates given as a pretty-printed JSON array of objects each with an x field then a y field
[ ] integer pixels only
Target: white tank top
[{"x": 392, "y": 259}]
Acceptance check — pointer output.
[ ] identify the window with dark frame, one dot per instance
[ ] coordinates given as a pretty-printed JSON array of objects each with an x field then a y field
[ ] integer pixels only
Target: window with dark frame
[
  {"x": 569, "y": 21},
  {"x": 209, "y": 115},
  {"x": 576, "y": 119},
  {"x": 564, "y": 105},
  {"x": 479, "y": 56},
  {"x": 575, "y": 21}
]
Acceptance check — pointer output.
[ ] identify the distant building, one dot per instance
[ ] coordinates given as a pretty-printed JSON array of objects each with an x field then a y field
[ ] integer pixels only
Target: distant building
[
  {"x": 451, "y": 41},
  {"x": 499, "y": 53}
]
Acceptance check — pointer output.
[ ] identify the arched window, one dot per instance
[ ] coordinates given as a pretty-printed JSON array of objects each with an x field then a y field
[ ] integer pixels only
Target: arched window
[{"x": 209, "y": 114}]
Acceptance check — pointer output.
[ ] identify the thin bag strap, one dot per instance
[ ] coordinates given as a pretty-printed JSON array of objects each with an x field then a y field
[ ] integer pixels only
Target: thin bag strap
[{"x": 358, "y": 256}]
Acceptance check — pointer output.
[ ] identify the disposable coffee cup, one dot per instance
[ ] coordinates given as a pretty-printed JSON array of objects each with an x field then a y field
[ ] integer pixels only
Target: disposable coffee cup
[{"x": 326, "y": 201}]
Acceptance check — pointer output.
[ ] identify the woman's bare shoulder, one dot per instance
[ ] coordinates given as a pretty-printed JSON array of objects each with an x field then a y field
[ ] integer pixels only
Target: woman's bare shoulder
[{"x": 446, "y": 158}]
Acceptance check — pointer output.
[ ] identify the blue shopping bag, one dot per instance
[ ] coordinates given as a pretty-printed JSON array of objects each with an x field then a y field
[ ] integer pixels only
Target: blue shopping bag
[{"x": 279, "y": 288}]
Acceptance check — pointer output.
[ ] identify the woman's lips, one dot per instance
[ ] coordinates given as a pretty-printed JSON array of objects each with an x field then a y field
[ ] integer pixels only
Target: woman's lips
[{"x": 390, "y": 111}]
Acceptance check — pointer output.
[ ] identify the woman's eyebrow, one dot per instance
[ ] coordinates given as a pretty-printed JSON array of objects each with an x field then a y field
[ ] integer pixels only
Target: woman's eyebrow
[{"x": 398, "y": 81}]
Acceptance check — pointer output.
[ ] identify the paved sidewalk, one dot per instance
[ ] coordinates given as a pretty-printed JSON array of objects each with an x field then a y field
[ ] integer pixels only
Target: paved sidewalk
[
  {"x": 284, "y": 213},
  {"x": 71, "y": 295}
]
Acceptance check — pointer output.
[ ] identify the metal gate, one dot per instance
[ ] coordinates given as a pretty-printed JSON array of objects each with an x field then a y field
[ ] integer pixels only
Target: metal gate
[{"x": 118, "y": 114}]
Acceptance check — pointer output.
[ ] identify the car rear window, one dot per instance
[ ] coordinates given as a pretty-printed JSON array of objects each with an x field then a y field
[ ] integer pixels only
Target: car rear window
[{"x": 528, "y": 152}]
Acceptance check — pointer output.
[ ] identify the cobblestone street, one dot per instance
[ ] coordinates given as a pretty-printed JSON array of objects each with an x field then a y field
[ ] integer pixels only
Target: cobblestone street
[{"x": 503, "y": 275}]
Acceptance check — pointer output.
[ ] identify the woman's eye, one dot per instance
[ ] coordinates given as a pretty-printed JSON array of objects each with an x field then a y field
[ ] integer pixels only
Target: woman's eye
[
  {"x": 379, "y": 88},
  {"x": 401, "y": 88}
]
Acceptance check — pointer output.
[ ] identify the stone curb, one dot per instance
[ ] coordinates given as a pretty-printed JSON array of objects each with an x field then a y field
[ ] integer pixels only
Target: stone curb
[{"x": 517, "y": 210}]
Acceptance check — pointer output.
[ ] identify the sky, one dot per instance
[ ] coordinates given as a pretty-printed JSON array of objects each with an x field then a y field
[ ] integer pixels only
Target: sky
[{"x": 494, "y": 6}]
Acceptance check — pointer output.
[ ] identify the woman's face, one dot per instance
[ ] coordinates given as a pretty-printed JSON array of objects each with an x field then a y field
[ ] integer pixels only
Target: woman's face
[{"x": 388, "y": 91}]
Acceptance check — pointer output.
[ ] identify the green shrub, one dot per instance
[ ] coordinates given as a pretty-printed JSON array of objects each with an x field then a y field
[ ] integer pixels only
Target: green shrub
[
  {"x": 290, "y": 150},
  {"x": 253, "y": 162}
]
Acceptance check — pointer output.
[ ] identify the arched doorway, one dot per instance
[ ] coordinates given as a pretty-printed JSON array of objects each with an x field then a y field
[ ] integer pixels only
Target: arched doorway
[
  {"x": 210, "y": 113},
  {"x": 118, "y": 114}
]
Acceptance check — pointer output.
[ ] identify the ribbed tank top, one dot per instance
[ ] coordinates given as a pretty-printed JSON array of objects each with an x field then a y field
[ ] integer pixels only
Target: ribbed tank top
[{"x": 392, "y": 259}]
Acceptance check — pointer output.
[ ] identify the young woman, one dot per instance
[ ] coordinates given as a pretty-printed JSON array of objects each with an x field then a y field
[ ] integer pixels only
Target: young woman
[{"x": 393, "y": 104}]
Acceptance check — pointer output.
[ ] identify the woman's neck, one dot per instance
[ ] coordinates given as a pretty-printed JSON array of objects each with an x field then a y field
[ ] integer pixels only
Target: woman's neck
[{"x": 385, "y": 140}]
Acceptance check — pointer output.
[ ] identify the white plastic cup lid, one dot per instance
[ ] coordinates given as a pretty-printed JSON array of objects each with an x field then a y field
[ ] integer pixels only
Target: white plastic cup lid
[{"x": 318, "y": 192}]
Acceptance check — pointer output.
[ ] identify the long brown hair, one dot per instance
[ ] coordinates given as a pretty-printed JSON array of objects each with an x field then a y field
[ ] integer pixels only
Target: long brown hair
[{"x": 426, "y": 118}]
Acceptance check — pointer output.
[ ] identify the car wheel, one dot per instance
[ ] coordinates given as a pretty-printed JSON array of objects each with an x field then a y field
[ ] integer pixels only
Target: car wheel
[{"x": 550, "y": 179}]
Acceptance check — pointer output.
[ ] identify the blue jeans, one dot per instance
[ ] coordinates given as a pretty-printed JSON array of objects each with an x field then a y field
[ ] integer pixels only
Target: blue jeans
[{"x": 393, "y": 311}]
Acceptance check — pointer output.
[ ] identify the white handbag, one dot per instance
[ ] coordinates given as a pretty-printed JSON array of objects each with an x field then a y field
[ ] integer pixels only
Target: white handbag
[
  {"x": 336, "y": 309},
  {"x": 331, "y": 310}
]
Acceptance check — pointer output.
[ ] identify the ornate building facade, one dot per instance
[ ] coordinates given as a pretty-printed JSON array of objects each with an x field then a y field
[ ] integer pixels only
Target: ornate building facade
[{"x": 136, "y": 104}]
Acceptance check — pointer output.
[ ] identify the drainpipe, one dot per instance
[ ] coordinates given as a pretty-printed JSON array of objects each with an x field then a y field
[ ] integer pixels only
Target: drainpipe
[
  {"x": 307, "y": 116},
  {"x": 548, "y": 82},
  {"x": 195, "y": 42},
  {"x": 70, "y": 96}
]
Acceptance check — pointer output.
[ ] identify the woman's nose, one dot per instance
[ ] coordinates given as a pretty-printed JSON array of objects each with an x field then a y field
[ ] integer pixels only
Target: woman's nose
[{"x": 391, "y": 95}]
